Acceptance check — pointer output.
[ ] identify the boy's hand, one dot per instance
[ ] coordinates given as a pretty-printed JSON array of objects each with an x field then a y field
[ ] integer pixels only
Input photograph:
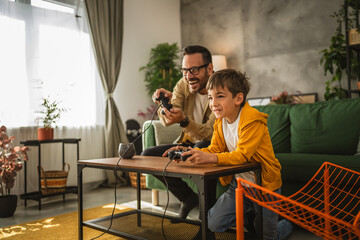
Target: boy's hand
[
  {"x": 174, "y": 148},
  {"x": 200, "y": 157}
]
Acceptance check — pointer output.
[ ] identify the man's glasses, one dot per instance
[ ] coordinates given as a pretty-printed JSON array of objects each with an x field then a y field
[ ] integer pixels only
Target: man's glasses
[{"x": 192, "y": 70}]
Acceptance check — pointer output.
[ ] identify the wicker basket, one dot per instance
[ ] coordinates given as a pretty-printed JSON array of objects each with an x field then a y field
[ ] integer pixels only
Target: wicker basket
[
  {"x": 54, "y": 181},
  {"x": 133, "y": 178}
]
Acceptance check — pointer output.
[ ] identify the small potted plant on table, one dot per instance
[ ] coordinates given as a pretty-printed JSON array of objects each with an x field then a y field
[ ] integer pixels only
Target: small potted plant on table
[
  {"x": 11, "y": 161},
  {"x": 51, "y": 115}
]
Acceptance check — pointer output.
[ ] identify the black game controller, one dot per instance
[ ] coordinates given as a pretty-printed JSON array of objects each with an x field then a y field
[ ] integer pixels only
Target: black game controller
[
  {"x": 176, "y": 154},
  {"x": 164, "y": 101}
]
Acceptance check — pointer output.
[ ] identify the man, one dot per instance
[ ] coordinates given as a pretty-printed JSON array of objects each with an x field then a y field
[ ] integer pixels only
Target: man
[{"x": 191, "y": 111}]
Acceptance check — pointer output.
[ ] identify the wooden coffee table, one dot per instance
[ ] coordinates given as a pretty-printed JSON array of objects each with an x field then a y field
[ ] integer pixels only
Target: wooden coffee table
[{"x": 204, "y": 176}]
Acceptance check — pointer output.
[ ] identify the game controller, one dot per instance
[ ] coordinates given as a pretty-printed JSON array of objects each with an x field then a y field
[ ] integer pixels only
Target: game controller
[
  {"x": 176, "y": 154},
  {"x": 164, "y": 102}
]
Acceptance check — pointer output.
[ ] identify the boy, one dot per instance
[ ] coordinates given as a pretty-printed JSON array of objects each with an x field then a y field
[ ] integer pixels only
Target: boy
[{"x": 240, "y": 135}]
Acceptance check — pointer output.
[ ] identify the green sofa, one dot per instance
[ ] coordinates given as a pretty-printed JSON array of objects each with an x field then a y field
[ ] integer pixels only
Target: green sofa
[
  {"x": 303, "y": 136},
  {"x": 306, "y": 135}
]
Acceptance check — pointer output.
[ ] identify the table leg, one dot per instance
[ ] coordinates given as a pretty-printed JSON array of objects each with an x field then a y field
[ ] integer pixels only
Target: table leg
[
  {"x": 80, "y": 201},
  {"x": 207, "y": 198},
  {"x": 138, "y": 194}
]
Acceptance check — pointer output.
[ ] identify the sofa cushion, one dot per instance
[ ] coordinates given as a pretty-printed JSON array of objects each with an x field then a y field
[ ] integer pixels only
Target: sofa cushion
[
  {"x": 278, "y": 125},
  {"x": 326, "y": 127},
  {"x": 300, "y": 167}
]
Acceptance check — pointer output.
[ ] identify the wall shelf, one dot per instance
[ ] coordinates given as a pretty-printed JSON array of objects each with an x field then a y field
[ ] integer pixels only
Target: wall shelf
[{"x": 351, "y": 47}]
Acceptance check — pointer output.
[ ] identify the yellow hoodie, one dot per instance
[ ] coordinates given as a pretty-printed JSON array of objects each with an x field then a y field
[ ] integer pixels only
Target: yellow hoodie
[{"x": 254, "y": 145}]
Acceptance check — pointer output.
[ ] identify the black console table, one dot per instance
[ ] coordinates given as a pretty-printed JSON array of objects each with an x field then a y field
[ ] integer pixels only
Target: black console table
[{"x": 37, "y": 196}]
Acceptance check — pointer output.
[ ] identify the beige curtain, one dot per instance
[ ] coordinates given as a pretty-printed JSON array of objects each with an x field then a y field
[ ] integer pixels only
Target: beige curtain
[{"x": 105, "y": 19}]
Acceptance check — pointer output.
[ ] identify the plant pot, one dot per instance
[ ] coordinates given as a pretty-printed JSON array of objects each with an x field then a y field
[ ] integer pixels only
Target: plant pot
[
  {"x": 8, "y": 205},
  {"x": 45, "y": 134},
  {"x": 358, "y": 84}
]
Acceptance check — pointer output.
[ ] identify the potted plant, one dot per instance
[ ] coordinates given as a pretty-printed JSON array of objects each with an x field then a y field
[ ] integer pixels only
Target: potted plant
[
  {"x": 11, "y": 161},
  {"x": 162, "y": 71},
  {"x": 51, "y": 113}
]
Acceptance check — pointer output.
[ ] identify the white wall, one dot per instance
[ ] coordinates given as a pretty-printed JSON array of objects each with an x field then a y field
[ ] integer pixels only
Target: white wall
[{"x": 146, "y": 24}]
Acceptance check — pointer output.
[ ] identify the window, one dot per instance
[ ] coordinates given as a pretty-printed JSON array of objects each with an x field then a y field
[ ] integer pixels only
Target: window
[{"x": 46, "y": 53}]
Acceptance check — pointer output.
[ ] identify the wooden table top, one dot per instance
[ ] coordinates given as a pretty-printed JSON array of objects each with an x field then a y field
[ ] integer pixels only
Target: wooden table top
[{"x": 157, "y": 164}]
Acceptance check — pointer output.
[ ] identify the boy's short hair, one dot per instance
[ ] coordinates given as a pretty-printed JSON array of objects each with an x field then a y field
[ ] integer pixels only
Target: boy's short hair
[{"x": 235, "y": 81}]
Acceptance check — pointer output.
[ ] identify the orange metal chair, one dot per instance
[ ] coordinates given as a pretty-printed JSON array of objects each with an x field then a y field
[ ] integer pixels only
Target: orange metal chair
[{"x": 328, "y": 205}]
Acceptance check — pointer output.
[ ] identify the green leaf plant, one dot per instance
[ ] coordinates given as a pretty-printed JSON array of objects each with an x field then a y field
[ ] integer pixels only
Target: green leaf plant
[
  {"x": 51, "y": 112},
  {"x": 162, "y": 70}
]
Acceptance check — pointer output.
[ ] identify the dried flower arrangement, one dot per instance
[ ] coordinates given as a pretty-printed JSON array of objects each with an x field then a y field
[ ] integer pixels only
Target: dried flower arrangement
[
  {"x": 11, "y": 161},
  {"x": 149, "y": 113},
  {"x": 285, "y": 98}
]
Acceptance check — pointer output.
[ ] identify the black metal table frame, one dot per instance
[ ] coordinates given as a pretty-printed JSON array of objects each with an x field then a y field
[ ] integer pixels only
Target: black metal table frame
[{"x": 207, "y": 196}]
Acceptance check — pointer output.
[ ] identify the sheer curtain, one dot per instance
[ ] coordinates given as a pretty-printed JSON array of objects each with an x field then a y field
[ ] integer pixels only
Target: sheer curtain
[{"x": 48, "y": 53}]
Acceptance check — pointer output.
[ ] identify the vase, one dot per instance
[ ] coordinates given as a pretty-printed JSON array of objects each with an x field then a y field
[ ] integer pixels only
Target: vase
[
  {"x": 8, "y": 205},
  {"x": 126, "y": 150},
  {"x": 45, "y": 134}
]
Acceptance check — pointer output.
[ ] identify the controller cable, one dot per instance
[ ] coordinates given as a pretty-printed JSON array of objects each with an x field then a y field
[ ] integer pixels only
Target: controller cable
[
  {"x": 115, "y": 171},
  {"x": 167, "y": 199}
]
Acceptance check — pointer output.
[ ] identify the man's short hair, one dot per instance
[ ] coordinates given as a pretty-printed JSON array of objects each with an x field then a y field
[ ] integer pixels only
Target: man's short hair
[
  {"x": 205, "y": 53},
  {"x": 235, "y": 81}
]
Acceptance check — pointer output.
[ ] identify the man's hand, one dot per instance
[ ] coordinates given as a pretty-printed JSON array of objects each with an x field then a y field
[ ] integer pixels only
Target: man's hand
[
  {"x": 175, "y": 116},
  {"x": 199, "y": 157},
  {"x": 157, "y": 93}
]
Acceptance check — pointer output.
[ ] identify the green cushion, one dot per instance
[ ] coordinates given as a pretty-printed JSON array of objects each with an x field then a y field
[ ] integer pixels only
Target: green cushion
[
  {"x": 278, "y": 125},
  {"x": 300, "y": 167},
  {"x": 326, "y": 127}
]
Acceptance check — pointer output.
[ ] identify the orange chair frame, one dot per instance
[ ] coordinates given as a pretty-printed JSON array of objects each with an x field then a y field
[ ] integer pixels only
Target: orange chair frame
[{"x": 328, "y": 205}]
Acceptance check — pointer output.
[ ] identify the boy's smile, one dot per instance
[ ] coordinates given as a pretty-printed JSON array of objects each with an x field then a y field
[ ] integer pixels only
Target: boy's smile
[{"x": 223, "y": 104}]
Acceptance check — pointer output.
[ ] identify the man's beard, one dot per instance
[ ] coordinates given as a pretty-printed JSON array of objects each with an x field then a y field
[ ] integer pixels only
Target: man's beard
[{"x": 202, "y": 84}]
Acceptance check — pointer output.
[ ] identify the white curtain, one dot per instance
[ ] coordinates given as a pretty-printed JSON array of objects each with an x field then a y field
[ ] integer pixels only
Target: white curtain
[{"x": 48, "y": 53}]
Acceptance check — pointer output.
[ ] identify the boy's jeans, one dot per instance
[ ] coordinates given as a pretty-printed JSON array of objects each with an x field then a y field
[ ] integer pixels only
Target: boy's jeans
[{"x": 223, "y": 214}]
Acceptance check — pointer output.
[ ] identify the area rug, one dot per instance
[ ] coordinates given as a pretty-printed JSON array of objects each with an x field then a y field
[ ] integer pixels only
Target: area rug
[{"x": 63, "y": 226}]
